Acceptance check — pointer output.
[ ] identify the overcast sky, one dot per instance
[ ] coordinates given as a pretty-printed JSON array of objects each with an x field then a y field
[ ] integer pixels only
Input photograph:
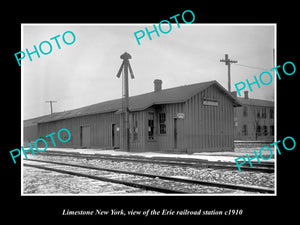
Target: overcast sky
[{"x": 84, "y": 73}]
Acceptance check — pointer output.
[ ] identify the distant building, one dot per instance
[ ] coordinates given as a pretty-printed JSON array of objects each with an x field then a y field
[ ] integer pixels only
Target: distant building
[
  {"x": 191, "y": 118},
  {"x": 254, "y": 120}
]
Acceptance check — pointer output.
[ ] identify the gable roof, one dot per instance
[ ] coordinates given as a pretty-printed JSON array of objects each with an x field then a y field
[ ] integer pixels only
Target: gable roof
[
  {"x": 33, "y": 121},
  {"x": 141, "y": 102},
  {"x": 256, "y": 102}
]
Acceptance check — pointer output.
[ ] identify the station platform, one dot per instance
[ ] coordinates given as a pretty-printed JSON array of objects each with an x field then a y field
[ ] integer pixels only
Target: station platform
[{"x": 209, "y": 156}]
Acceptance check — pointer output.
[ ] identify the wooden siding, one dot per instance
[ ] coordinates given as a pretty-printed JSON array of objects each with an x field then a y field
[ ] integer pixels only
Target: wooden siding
[
  {"x": 139, "y": 143},
  {"x": 100, "y": 129},
  {"x": 166, "y": 141},
  {"x": 205, "y": 127},
  {"x": 30, "y": 134},
  {"x": 142, "y": 143},
  {"x": 209, "y": 128}
]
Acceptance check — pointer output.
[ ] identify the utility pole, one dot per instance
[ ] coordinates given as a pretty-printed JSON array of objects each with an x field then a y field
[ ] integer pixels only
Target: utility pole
[
  {"x": 227, "y": 63},
  {"x": 125, "y": 66},
  {"x": 51, "y": 104}
]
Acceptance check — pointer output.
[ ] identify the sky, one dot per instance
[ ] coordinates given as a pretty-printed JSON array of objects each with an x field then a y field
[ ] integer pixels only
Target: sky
[{"x": 84, "y": 72}]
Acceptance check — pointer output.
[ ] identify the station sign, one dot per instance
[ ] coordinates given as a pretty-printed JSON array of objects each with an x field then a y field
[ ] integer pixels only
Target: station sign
[
  {"x": 211, "y": 103},
  {"x": 180, "y": 115}
]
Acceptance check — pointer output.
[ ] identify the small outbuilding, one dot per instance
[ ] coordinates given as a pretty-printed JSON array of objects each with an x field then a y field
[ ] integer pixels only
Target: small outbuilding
[{"x": 190, "y": 118}]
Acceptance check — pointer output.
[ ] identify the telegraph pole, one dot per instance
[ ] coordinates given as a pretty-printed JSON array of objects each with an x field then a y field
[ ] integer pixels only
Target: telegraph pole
[
  {"x": 227, "y": 63},
  {"x": 51, "y": 104}
]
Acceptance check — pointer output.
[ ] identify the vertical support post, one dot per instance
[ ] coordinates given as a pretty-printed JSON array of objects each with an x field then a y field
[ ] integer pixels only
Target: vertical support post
[
  {"x": 51, "y": 105},
  {"x": 127, "y": 143},
  {"x": 125, "y": 107}
]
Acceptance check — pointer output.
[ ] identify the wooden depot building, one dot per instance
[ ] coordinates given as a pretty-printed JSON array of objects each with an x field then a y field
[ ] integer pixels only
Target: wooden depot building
[{"x": 191, "y": 118}]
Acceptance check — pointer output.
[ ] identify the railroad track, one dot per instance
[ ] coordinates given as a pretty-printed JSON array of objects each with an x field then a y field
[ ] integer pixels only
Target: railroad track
[
  {"x": 197, "y": 163},
  {"x": 152, "y": 182}
]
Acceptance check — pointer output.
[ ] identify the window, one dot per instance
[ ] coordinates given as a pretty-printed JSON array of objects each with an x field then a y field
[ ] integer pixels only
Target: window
[
  {"x": 162, "y": 123},
  {"x": 245, "y": 111},
  {"x": 258, "y": 113},
  {"x": 271, "y": 113},
  {"x": 272, "y": 130},
  {"x": 150, "y": 126},
  {"x": 264, "y": 113},
  {"x": 265, "y": 130},
  {"x": 245, "y": 130},
  {"x": 258, "y": 130}
]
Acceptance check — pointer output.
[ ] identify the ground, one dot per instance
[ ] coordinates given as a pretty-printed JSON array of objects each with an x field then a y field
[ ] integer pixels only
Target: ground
[{"x": 37, "y": 181}]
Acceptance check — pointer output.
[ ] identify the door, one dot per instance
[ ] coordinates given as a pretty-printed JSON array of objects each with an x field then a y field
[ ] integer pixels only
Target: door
[
  {"x": 178, "y": 133},
  {"x": 115, "y": 136},
  {"x": 85, "y": 136}
]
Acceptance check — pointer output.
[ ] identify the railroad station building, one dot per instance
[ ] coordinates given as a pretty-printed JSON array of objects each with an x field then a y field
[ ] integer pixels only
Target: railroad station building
[
  {"x": 190, "y": 118},
  {"x": 254, "y": 121}
]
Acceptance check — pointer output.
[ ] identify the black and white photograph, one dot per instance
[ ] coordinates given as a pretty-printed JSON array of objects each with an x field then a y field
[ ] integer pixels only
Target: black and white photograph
[
  {"x": 135, "y": 114},
  {"x": 105, "y": 115}
]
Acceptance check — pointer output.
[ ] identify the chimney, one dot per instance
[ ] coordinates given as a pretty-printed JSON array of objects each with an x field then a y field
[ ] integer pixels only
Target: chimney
[
  {"x": 234, "y": 93},
  {"x": 246, "y": 95},
  {"x": 157, "y": 85}
]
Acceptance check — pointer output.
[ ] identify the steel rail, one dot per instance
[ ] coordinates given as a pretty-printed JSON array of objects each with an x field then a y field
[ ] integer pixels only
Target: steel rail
[
  {"x": 266, "y": 168},
  {"x": 177, "y": 179},
  {"x": 130, "y": 184}
]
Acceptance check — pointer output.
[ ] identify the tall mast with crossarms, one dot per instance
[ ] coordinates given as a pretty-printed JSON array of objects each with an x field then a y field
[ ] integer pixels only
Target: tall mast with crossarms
[
  {"x": 227, "y": 63},
  {"x": 125, "y": 66}
]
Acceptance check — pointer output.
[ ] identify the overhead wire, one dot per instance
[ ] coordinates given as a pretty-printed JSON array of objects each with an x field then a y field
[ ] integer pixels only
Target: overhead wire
[{"x": 252, "y": 67}]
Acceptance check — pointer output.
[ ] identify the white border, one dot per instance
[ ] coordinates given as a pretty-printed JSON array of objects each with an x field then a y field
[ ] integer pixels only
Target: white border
[{"x": 143, "y": 24}]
